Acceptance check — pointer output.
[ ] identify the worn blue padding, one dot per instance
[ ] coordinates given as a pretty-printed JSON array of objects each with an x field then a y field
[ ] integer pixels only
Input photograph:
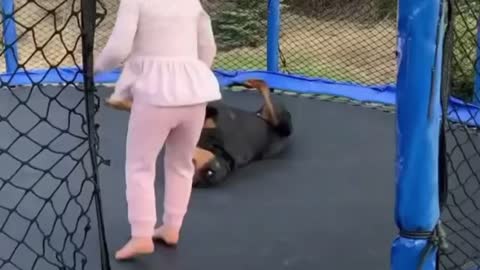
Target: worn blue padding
[
  {"x": 419, "y": 116},
  {"x": 405, "y": 254},
  {"x": 384, "y": 94}
]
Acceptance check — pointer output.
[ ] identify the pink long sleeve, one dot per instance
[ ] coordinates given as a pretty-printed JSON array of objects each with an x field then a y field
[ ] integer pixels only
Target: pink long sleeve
[
  {"x": 120, "y": 42},
  {"x": 166, "y": 49},
  {"x": 207, "y": 48}
]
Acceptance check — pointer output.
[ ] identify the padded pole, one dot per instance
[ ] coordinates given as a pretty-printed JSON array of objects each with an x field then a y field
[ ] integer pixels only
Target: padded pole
[
  {"x": 273, "y": 35},
  {"x": 9, "y": 35},
  {"x": 476, "y": 87},
  {"x": 419, "y": 112}
]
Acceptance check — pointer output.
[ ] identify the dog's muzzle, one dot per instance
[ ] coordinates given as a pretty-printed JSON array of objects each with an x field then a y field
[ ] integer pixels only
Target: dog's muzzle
[{"x": 212, "y": 174}]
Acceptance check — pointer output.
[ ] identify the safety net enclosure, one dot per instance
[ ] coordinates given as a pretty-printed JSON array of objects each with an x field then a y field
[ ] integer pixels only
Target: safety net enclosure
[
  {"x": 49, "y": 211},
  {"x": 460, "y": 166},
  {"x": 418, "y": 57}
]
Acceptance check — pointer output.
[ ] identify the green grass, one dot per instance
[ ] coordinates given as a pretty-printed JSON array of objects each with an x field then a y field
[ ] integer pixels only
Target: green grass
[
  {"x": 244, "y": 60},
  {"x": 298, "y": 63}
]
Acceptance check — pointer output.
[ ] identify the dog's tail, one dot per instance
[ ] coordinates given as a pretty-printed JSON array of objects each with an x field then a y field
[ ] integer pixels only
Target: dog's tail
[{"x": 262, "y": 86}]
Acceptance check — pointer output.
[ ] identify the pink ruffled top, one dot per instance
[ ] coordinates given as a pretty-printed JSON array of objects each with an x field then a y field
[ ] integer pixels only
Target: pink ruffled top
[{"x": 167, "y": 49}]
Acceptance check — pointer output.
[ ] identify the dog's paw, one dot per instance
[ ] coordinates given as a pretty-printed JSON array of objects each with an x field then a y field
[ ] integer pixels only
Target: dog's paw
[{"x": 121, "y": 105}]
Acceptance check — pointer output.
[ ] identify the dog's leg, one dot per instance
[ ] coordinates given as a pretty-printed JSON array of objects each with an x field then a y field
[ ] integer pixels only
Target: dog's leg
[
  {"x": 209, "y": 123},
  {"x": 122, "y": 105},
  {"x": 269, "y": 111}
]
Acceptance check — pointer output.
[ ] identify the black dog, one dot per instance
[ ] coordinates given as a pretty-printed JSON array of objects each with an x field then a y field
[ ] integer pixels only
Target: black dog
[{"x": 233, "y": 138}]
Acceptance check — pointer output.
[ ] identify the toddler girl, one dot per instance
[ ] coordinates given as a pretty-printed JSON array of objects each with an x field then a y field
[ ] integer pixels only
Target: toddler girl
[{"x": 167, "y": 49}]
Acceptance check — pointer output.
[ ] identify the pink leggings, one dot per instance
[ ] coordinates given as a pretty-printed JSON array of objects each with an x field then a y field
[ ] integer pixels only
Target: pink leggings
[{"x": 151, "y": 127}]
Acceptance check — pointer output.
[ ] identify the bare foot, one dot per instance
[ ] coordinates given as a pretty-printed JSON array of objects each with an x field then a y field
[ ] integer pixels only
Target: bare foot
[
  {"x": 135, "y": 247},
  {"x": 122, "y": 105},
  {"x": 166, "y": 235}
]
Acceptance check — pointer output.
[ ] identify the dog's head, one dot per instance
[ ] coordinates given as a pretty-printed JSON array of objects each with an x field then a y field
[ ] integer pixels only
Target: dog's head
[{"x": 211, "y": 174}]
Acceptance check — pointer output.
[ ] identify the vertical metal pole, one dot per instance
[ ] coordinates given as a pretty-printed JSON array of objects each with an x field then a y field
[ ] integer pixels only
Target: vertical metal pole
[
  {"x": 476, "y": 69},
  {"x": 10, "y": 35},
  {"x": 88, "y": 37},
  {"x": 421, "y": 35},
  {"x": 273, "y": 35}
]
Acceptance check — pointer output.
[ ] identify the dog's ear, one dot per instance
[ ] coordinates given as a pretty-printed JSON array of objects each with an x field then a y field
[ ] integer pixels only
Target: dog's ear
[{"x": 212, "y": 112}]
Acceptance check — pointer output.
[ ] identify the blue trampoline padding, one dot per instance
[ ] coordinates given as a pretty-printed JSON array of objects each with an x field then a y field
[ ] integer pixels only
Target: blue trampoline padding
[
  {"x": 384, "y": 94},
  {"x": 405, "y": 255},
  {"x": 419, "y": 115},
  {"x": 53, "y": 76},
  {"x": 460, "y": 111},
  {"x": 44, "y": 76},
  {"x": 374, "y": 93}
]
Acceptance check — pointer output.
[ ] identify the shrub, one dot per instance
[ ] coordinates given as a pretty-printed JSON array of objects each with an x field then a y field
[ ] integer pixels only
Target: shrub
[{"x": 241, "y": 23}]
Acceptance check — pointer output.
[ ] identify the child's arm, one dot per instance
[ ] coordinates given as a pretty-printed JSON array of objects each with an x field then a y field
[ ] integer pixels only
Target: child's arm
[
  {"x": 120, "y": 42},
  {"x": 207, "y": 48}
]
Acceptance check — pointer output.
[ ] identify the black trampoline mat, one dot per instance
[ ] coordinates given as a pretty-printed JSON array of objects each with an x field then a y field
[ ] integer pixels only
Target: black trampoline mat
[{"x": 327, "y": 203}]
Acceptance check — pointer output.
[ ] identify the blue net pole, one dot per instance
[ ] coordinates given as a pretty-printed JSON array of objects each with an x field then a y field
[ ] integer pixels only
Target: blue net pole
[
  {"x": 420, "y": 44},
  {"x": 273, "y": 35},
  {"x": 476, "y": 92},
  {"x": 9, "y": 35}
]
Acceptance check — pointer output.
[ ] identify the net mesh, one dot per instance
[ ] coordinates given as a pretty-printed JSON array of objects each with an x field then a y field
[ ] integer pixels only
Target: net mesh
[
  {"x": 465, "y": 49},
  {"x": 47, "y": 32},
  {"x": 461, "y": 208},
  {"x": 342, "y": 40},
  {"x": 240, "y": 29},
  {"x": 47, "y": 176}
]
